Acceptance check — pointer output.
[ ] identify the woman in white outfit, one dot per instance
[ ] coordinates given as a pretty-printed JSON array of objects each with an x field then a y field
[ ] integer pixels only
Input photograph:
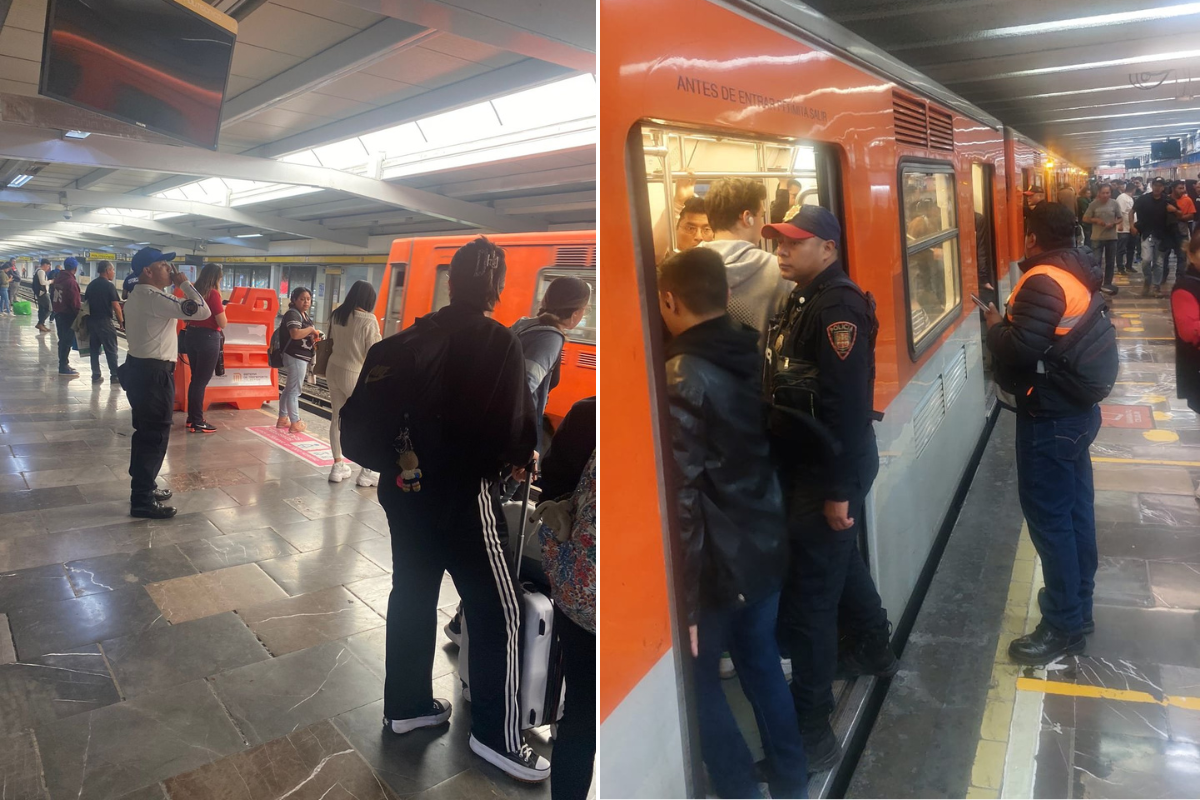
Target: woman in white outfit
[{"x": 353, "y": 328}]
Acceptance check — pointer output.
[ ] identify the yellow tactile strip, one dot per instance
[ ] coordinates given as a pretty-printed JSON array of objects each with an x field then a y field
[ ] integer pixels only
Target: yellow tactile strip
[
  {"x": 1126, "y": 695},
  {"x": 987, "y": 774}
]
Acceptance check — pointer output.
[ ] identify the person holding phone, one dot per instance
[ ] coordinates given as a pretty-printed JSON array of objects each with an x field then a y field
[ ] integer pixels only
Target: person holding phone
[
  {"x": 148, "y": 374},
  {"x": 298, "y": 352}
]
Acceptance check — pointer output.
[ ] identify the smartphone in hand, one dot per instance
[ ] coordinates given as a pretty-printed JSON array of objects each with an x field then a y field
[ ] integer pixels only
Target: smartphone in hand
[{"x": 979, "y": 302}]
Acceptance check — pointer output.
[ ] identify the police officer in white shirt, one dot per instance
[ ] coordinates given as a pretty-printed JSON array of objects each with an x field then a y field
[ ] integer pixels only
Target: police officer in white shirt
[{"x": 148, "y": 374}]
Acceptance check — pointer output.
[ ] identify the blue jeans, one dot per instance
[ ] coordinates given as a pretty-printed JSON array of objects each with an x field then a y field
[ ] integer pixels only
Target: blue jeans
[
  {"x": 289, "y": 398},
  {"x": 1054, "y": 480},
  {"x": 750, "y": 635},
  {"x": 5, "y": 307},
  {"x": 1107, "y": 250},
  {"x": 1152, "y": 260},
  {"x": 1126, "y": 246}
]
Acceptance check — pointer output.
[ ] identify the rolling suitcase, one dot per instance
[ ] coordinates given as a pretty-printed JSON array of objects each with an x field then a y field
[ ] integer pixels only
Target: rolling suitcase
[{"x": 541, "y": 691}]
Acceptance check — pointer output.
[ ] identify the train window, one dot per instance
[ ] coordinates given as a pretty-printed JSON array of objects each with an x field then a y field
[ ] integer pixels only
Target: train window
[
  {"x": 682, "y": 164},
  {"x": 931, "y": 273},
  {"x": 585, "y": 332},
  {"x": 441, "y": 288}
]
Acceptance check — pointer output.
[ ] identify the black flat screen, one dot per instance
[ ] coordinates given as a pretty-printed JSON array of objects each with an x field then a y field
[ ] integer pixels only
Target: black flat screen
[
  {"x": 1165, "y": 150},
  {"x": 153, "y": 63}
]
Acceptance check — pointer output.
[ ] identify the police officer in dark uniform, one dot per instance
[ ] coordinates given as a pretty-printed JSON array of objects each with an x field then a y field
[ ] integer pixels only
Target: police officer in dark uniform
[{"x": 820, "y": 364}]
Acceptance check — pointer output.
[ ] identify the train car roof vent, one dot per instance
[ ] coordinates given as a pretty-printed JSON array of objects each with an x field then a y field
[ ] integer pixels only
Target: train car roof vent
[
  {"x": 579, "y": 256},
  {"x": 922, "y": 125}
]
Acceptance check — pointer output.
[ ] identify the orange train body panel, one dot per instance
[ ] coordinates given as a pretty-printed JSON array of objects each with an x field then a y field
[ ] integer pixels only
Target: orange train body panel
[
  {"x": 527, "y": 255},
  {"x": 752, "y": 82}
]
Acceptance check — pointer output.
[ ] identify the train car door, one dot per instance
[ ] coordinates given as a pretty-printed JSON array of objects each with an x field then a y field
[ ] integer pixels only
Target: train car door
[{"x": 982, "y": 180}]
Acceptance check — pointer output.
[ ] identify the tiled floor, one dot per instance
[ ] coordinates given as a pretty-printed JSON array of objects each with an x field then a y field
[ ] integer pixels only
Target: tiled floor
[
  {"x": 233, "y": 651},
  {"x": 1124, "y": 719}
]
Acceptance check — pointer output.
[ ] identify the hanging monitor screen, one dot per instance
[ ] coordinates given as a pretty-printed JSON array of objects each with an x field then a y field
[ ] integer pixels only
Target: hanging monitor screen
[
  {"x": 1165, "y": 150},
  {"x": 1133, "y": 163},
  {"x": 155, "y": 63}
]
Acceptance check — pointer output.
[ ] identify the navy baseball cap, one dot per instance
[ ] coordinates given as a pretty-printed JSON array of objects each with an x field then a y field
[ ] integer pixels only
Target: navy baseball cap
[
  {"x": 147, "y": 256},
  {"x": 70, "y": 263},
  {"x": 810, "y": 222}
]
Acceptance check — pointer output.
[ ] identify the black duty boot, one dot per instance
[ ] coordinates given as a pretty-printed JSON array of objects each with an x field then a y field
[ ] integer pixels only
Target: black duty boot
[
  {"x": 871, "y": 655},
  {"x": 1044, "y": 645},
  {"x": 1089, "y": 625},
  {"x": 821, "y": 746}
]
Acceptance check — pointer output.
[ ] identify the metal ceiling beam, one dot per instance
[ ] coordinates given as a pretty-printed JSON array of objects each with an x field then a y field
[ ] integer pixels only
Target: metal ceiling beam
[
  {"x": 79, "y": 197},
  {"x": 557, "y": 32},
  {"x": 382, "y": 40},
  {"x": 33, "y": 144},
  {"x": 525, "y": 181},
  {"x": 137, "y": 223},
  {"x": 93, "y": 177},
  {"x": 525, "y": 74}
]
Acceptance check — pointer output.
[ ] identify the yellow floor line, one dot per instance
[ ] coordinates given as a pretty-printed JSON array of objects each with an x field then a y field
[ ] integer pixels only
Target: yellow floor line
[
  {"x": 1144, "y": 461},
  {"x": 1126, "y": 695}
]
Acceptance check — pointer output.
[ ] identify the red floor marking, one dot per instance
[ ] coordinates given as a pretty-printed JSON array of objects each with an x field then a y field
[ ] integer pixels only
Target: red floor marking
[
  {"x": 1115, "y": 416},
  {"x": 311, "y": 449}
]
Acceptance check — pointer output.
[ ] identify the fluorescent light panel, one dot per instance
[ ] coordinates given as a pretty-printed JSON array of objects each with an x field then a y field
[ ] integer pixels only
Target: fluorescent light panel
[{"x": 19, "y": 181}]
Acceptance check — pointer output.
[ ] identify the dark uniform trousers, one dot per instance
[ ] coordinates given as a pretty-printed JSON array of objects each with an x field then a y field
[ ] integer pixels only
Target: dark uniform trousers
[
  {"x": 459, "y": 529},
  {"x": 102, "y": 333},
  {"x": 828, "y": 578},
  {"x": 43, "y": 304},
  {"x": 150, "y": 385}
]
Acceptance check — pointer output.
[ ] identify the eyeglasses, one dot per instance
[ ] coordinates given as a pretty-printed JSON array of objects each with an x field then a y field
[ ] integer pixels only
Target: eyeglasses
[{"x": 692, "y": 229}]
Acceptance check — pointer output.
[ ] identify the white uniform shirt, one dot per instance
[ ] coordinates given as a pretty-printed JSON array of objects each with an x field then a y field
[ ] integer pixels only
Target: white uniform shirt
[
  {"x": 150, "y": 317},
  {"x": 1125, "y": 202}
]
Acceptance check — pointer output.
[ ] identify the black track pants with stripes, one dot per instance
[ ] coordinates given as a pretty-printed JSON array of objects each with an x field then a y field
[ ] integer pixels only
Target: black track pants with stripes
[{"x": 461, "y": 531}]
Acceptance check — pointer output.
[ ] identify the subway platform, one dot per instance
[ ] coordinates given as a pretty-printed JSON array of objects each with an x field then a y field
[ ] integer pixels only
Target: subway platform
[
  {"x": 235, "y": 651},
  {"x": 1123, "y": 720}
]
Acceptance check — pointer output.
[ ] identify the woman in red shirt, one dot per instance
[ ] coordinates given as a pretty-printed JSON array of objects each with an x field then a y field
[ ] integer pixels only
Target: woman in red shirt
[
  {"x": 203, "y": 342},
  {"x": 1185, "y": 309}
]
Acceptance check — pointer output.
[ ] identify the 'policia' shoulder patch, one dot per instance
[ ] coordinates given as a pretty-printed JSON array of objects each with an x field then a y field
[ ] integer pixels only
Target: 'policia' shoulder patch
[{"x": 841, "y": 337}]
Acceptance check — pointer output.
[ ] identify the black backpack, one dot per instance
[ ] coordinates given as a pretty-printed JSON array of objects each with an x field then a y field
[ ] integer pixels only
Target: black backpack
[
  {"x": 1082, "y": 365},
  {"x": 275, "y": 349},
  {"x": 398, "y": 403}
]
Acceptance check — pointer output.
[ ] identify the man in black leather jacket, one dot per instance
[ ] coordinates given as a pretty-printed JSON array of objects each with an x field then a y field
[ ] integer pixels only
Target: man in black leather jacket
[{"x": 731, "y": 521}]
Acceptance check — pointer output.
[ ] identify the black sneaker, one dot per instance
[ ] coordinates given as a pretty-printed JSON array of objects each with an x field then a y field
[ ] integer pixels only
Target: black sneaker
[
  {"x": 438, "y": 714},
  {"x": 453, "y": 629},
  {"x": 115, "y": 380},
  {"x": 154, "y": 511},
  {"x": 821, "y": 747},
  {"x": 1045, "y": 645},
  {"x": 524, "y": 765},
  {"x": 871, "y": 655},
  {"x": 1089, "y": 625},
  {"x": 97, "y": 378},
  {"x": 162, "y": 495},
  {"x": 201, "y": 427}
]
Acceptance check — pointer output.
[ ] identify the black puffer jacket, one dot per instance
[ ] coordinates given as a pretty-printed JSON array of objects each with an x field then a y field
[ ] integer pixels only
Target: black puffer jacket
[
  {"x": 731, "y": 510},
  {"x": 1022, "y": 339}
]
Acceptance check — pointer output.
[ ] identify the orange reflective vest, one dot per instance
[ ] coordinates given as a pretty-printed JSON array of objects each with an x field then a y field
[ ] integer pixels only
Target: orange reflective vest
[{"x": 1077, "y": 295}]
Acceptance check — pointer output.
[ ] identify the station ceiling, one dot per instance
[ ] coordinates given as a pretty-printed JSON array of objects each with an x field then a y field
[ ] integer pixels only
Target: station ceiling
[
  {"x": 306, "y": 75},
  {"x": 1095, "y": 81}
]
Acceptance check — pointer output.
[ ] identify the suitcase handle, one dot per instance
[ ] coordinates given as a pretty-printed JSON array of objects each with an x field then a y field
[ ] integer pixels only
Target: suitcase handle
[{"x": 525, "y": 493}]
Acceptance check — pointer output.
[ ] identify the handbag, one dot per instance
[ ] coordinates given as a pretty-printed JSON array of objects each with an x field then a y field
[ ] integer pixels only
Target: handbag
[{"x": 324, "y": 350}]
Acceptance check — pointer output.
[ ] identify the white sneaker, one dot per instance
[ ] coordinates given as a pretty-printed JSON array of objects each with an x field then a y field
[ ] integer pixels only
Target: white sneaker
[
  {"x": 366, "y": 477},
  {"x": 340, "y": 471},
  {"x": 726, "y": 669},
  {"x": 436, "y": 716},
  {"x": 524, "y": 765}
]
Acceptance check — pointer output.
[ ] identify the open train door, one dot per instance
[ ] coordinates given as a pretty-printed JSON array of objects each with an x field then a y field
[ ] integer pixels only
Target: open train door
[{"x": 982, "y": 186}]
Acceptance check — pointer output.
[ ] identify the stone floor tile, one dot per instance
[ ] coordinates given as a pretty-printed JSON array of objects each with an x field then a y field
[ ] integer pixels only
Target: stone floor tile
[
  {"x": 57, "y": 497},
  {"x": 371, "y": 649},
  {"x": 344, "y": 502},
  {"x": 1176, "y": 585},
  {"x": 20, "y": 524},
  {"x": 10, "y": 465},
  {"x": 8, "y": 653},
  {"x": 12, "y": 482},
  {"x": 296, "y": 623},
  {"x": 206, "y": 479},
  {"x": 1142, "y": 478},
  {"x": 21, "y": 767},
  {"x": 253, "y": 517},
  {"x": 272, "y": 698},
  {"x": 236, "y": 548},
  {"x": 35, "y": 585},
  {"x": 74, "y": 476},
  {"x": 208, "y": 593},
  {"x": 326, "y": 532},
  {"x": 108, "y": 573},
  {"x": 468, "y": 785},
  {"x": 374, "y": 592},
  {"x": 379, "y": 550},
  {"x": 156, "y": 659},
  {"x": 375, "y": 518},
  {"x": 319, "y": 569},
  {"x": 135, "y": 744},
  {"x": 264, "y": 473},
  {"x": 313, "y": 762},
  {"x": 1109, "y": 765},
  {"x": 42, "y": 689},
  {"x": 58, "y": 626}
]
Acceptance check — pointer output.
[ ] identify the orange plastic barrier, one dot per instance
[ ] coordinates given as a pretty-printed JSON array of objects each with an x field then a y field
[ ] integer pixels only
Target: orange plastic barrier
[{"x": 248, "y": 381}]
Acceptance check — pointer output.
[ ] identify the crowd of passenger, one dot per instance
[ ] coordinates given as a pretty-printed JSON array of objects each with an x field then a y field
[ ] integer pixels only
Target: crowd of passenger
[
  {"x": 769, "y": 377},
  {"x": 498, "y": 380}
]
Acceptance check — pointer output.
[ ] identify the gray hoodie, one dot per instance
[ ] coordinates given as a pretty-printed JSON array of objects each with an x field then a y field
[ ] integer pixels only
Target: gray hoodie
[{"x": 757, "y": 290}]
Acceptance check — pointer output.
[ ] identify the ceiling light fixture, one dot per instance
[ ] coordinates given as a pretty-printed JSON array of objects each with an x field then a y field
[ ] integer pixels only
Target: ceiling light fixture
[
  {"x": 248, "y": 235},
  {"x": 19, "y": 181},
  {"x": 77, "y": 134}
]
